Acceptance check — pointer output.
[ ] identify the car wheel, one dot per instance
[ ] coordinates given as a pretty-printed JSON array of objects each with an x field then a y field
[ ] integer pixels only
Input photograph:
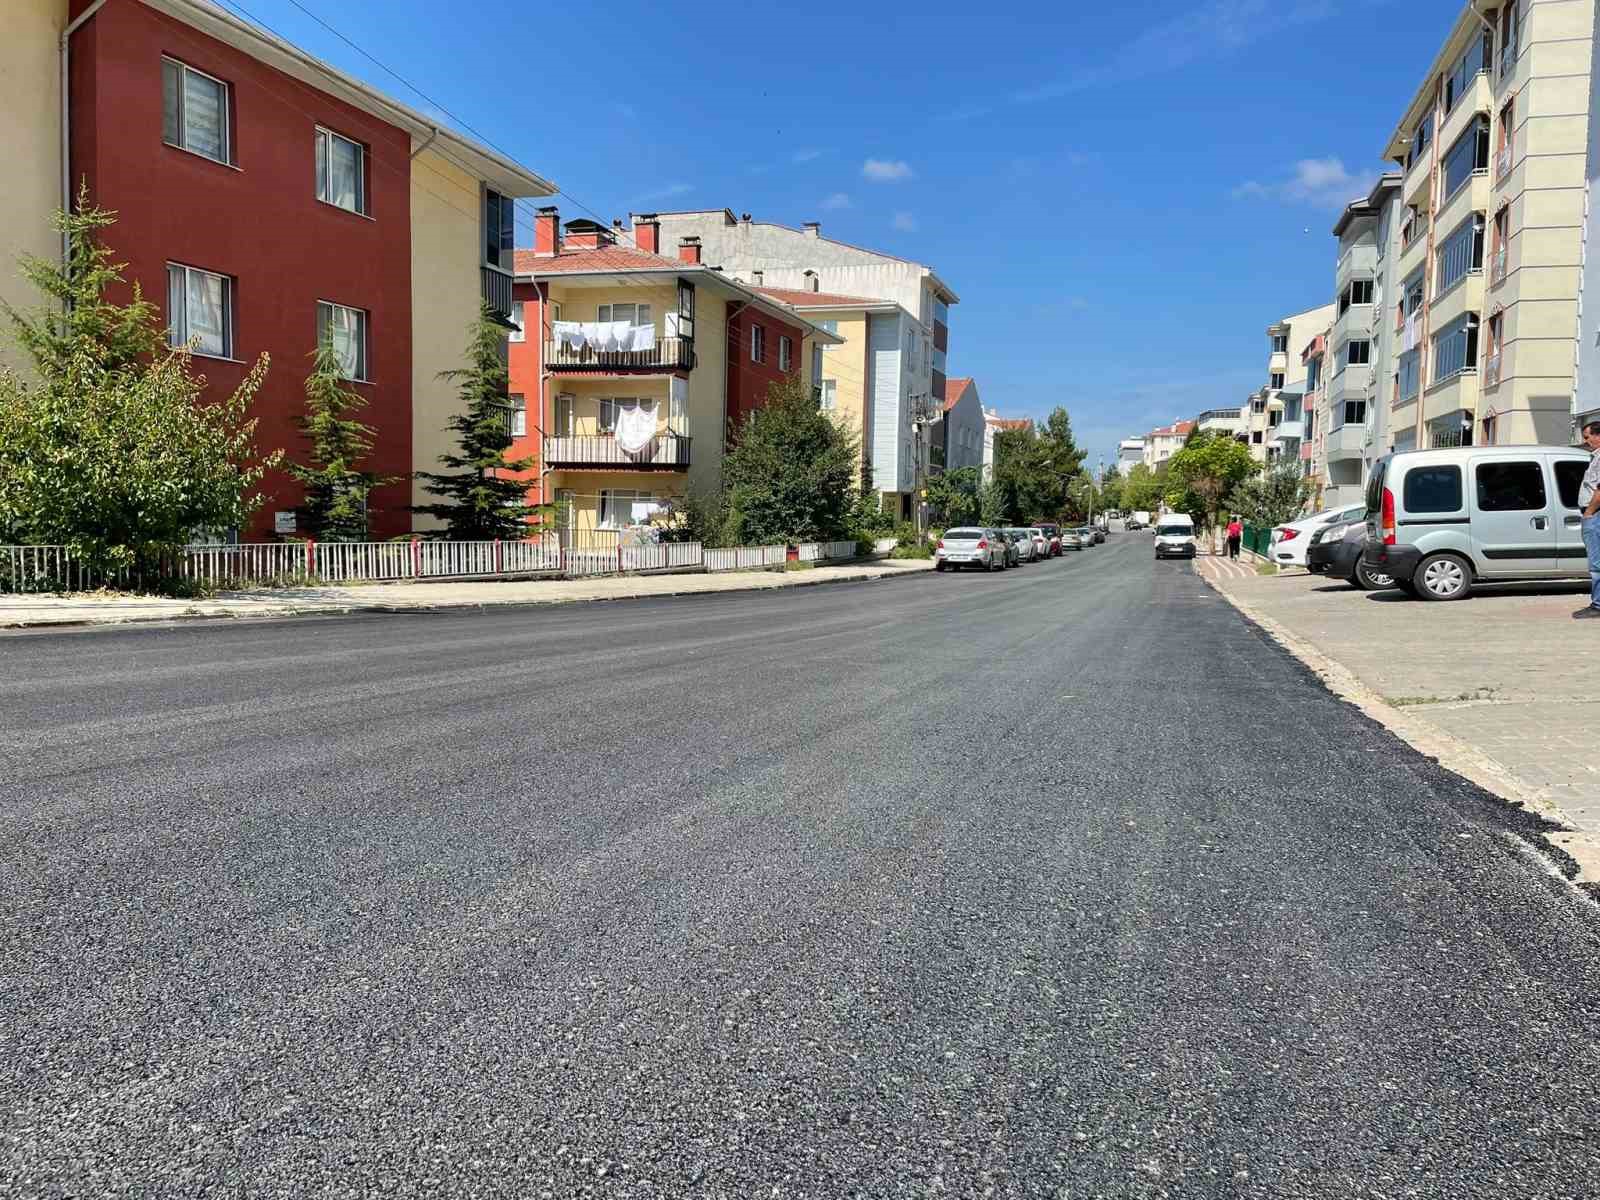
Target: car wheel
[
  {"x": 1442, "y": 577},
  {"x": 1367, "y": 579}
]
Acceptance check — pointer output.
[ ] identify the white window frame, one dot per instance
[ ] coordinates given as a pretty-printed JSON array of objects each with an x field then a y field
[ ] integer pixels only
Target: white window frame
[
  {"x": 785, "y": 352},
  {"x": 519, "y": 414},
  {"x": 178, "y": 335},
  {"x": 364, "y": 362},
  {"x": 520, "y": 333},
  {"x": 641, "y": 313},
  {"x": 828, "y": 398},
  {"x": 609, "y": 499},
  {"x": 758, "y": 343},
  {"x": 832, "y": 326},
  {"x": 183, "y": 122},
  {"x": 325, "y": 139}
]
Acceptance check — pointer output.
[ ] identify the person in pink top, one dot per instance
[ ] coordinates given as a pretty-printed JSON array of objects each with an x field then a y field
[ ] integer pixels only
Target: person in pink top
[{"x": 1235, "y": 536}]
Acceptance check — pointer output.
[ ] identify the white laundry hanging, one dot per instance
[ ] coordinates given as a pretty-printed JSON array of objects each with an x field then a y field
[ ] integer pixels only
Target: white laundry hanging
[
  {"x": 644, "y": 337},
  {"x": 569, "y": 333},
  {"x": 636, "y": 427}
]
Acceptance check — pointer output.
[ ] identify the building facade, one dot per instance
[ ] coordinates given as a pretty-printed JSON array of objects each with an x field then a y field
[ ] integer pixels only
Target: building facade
[
  {"x": 1161, "y": 444},
  {"x": 1263, "y": 412},
  {"x": 958, "y": 434},
  {"x": 1492, "y": 155},
  {"x": 1130, "y": 453}
]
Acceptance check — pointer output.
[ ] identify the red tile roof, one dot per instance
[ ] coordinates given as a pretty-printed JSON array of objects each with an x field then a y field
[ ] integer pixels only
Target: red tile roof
[
  {"x": 1005, "y": 423},
  {"x": 953, "y": 389},
  {"x": 804, "y": 299},
  {"x": 591, "y": 258},
  {"x": 1181, "y": 429}
]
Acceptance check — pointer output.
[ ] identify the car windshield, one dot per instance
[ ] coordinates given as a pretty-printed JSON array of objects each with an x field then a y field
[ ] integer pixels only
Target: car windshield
[{"x": 1174, "y": 530}]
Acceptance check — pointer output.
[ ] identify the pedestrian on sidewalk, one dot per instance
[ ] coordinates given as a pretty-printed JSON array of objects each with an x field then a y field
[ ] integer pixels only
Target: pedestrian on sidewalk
[
  {"x": 1235, "y": 536},
  {"x": 1589, "y": 501}
]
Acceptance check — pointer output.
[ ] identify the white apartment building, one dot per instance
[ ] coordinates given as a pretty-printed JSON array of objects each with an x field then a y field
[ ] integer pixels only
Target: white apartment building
[
  {"x": 1161, "y": 444},
  {"x": 1130, "y": 453},
  {"x": 1492, "y": 150},
  {"x": 1263, "y": 412}
]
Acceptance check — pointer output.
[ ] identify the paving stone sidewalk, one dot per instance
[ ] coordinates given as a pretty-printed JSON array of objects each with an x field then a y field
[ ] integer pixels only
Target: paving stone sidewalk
[
  {"x": 98, "y": 608},
  {"x": 1503, "y": 670}
]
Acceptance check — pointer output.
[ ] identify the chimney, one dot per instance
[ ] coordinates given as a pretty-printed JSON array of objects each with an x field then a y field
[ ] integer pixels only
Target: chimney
[
  {"x": 647, "y": 233},
  {"x": 547, "y": 232},
  {"x": 813, "y": 228},
  {"x": 811, "y": 280},
  {"x": 757, "y": 277},
  {"x": 689, "y": 250}
]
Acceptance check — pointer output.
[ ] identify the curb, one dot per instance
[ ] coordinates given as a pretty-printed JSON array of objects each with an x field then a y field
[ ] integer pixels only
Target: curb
[{"x": 1448, "y": 750}]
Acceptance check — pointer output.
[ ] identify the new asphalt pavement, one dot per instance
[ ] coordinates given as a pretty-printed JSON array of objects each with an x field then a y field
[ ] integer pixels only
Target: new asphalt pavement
[{"x": 1061, "y": 882}]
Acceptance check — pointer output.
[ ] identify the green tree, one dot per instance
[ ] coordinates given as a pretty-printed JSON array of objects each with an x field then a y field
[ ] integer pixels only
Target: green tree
[
  {"x": 1141, "y": 490},
  {"x": 1200, "y": 475},
  {"x": 1061, "y": 452},
  {"x": 481, "y": 498},
  {"x": 1111, "y": 489},
  {"x": 791, "y": 475},
  {"x": 953, "y": 497},
  {"x": 1272, "y": 497},
  {"x": 1028, "y": 472},
  {"x": 113, "y": 447},
  {"x": 991, "y": 505},
  {"x": 336, "y": 488}
]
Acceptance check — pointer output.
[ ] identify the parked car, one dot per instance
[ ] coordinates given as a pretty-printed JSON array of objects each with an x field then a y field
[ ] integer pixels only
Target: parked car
[
  {"x": 1022, "y": 539},
  {"x": 1440, "y": 521},
  {"x": 1175, "y": 536},
  {"x": 1086, "y": 532},
  {"x": 1099, "y": 533},
  {"x": 969, "y": 547},
  {"x": 1335, "y": 551},
  {"x": 1041, "y": 544},
  {"x": 1290, "y": 541},
  {"x": 1052, "y": 531},
  {"x": 1139, "y": 520},
  {"x": 1071, "y": 539}
]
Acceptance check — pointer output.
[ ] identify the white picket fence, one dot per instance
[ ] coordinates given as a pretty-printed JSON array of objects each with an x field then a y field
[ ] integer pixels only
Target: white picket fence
[{"x": 746, "y": 558}]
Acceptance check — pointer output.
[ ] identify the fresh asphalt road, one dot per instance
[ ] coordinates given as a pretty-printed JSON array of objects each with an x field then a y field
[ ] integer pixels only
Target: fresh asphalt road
[{"x": 1061, "y": 882}]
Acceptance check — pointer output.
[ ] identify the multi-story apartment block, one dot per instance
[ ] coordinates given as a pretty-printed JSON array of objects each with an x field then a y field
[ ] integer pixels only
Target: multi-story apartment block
[
  {"x": 1229, "y": 421},
  {"x": 1161, "y": 444},
  {"x": 1492, "y": 154},
  {"x": 958, "y": 433},
  {"x": 266, "y": 201},
  {"x": 1130, "y": 453},
  {"x": 905, "y": 349},
  {"x": 1263, "y": 412},
  {"x": 1350, "y": 413},
  {"x": 633, "y": 371},
  {"x": 994, "y": 423}
]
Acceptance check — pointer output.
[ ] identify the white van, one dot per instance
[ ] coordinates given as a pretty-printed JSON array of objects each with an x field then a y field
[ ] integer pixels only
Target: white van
[
  {"x": 1439, "y": 521},
  {"x": 1174, "y": 536}
]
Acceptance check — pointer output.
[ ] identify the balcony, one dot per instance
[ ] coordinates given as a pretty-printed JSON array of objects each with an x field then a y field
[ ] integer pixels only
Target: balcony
[
  {"x": 1354, "y": 321},
  {"x": 665, "y": 452},
  {"x": 1289, "y": 431},
  {"x": 1350, "y": 383},
  {"x": 668, "y": 354},
  {"x": 1347, "y": 441},
  {"x": 1358, "y": 258},
  {"x": 495, "y": 287}
]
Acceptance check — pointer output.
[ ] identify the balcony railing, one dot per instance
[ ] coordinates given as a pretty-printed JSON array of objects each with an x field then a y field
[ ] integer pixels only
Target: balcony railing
[
  {"x": 496, "y": 289},
  {"x": 664, "y": 452},
  {"x": 669, "y": 353}
]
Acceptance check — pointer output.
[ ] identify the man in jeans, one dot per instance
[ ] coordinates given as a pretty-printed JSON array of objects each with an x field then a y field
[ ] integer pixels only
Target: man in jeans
[{"x": 1589, "y": 501}]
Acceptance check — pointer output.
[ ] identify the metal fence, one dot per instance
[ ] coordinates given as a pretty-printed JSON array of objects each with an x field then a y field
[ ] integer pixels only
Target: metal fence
[
  {"x": 1257, "y": 539},
  {"x": 746, "y": 558}
]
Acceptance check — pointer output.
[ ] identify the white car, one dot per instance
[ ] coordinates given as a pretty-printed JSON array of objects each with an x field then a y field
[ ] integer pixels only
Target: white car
[
  {"x": 1041, "y": 542},
  {"x": 1290, "y": 542},
  {"x": 971, "y": 547},
  {"x": 1027, "y": 548}
]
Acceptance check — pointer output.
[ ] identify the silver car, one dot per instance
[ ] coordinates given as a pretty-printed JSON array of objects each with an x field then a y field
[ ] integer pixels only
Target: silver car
[
  {"x": 1023, "y": 540},
  {"x": 1071, "y": 538},
  {"x": 970, "y": 546}
]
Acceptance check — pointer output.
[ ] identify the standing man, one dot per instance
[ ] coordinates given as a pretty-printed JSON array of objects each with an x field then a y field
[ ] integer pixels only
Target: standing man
[
  {"x": 1235, "y": 536},
  {"x": 1589, "y": 501}
]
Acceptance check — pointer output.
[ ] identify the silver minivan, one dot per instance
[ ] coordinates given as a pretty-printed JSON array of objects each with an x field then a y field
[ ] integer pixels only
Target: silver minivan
[{"x": 1440, "y": 520}]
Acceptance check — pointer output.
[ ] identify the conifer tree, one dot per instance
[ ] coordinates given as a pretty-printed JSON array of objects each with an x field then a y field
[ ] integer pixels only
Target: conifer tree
[{"x": 335, "y": 506}]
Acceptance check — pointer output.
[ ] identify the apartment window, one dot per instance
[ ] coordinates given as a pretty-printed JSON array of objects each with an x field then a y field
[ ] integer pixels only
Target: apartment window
[
  {"x": 1421, "y": 138},
  {"x": 1357, "y": 291},
  {"x": 758, "y": 343},
  {"x": 1495, "y": 339},
  {"x": 519, "y": 334},
  {"x": 518, "y": 426},
  {"x": 1258, "y": 406},
  {"x": 612, "y": 407},
  {"x": 1355, "y": 353},
  {"x": 1455, "y": 349},
  {"x": 1508, "y": 38},
  {"x": 1414, "y": 225},
  {"x": 633, "y": 314},
  {"x": 1313, "y": 374},
  {"x": 1460, "y": 253},
  {"x": 1474, "y": 60},
  {"x": 566, "y": 508},
  {"x": 828, "y": 396},
  {"x": 346, "y": 329},
  {"x": 1502, "y": 242},
  {"x": 200, "y": 308},
  {"x": 816, "y": 363},
  {"x": 941, "y": 311},
  {"x": 1409, "y": 377},
  {"x": 1275, "y": 418},
  {"x": 194, "y": 111},
  {"x": 1507, "y": 131},
  {"x": 1255, "y": 436},
  {"x": 341, "y": 171},
  {"x": 1491, "y": 431},
  {"x": 785, "y": 353},
  {"x": 616, "y": 506},
  {"x": 938, "y": 362},
  {"x": 1413, "y": 288},
  {"x": 1355, "y": 412},
  {"x": 566, "y": 414},
  {"x": 831, "y": 327},
  {"x": 499, "y": 229},
  {"x": 1280, "y": 343},
  {"x": 1469, "y": 153},
  {"x": 1275, "y": 380}
]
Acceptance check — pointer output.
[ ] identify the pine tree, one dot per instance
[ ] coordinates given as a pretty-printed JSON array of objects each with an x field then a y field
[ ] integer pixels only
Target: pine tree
[
  {"x": 480, "y": 499},
  {"x": 335, "y": 507}
]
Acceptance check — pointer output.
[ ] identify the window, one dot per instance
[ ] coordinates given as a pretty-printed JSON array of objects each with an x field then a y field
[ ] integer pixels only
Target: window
[
  {"x": 816, "y": 363},
  {"x": 1461, "y": 252},
  {"x": 1433, "y": 490},
  {"x": 519, "y": 416},
  {"x": 1491, "y": 425},
  {"x": 1510, "y": 487},
  {"x": 1355, "y": 353},
  {"x": 1274, "y": 418},
  {"x": 1470, "y": 153},
  {"x": 519, "y": 334},
  {"x": 829, "y": 398},
  {"x": 1474, "y": 60},
  {"x": 831, "y": 327},
  {"x": 616, "y": 507},
  {"x": 1421, "y": 139},
  {"x": 1358, "y": 291},
  {"x": 566, "y": 414},
  {"x": 1414, "y": 225},
  {"x": 1255, "y": 436},
  {"x": 758, "y": 343},
  {"x": 1280, "y": 343},
  {"x": 1455, "y": 349},
  {"x": 341, "y": 171},
  {"x": 1507, "y": 131},
  {"x": 200, "y": 307},
  {"x": 633, "y": 314},
  {"x": 1409, "y": 378},
  {"x": 941, "y": 311},
  {"x": 566, "y": 508},
  {"x": 1411, "y": 304},
  {"x": 938, "y": 362},
  {"x": 1276, "y": 379},
  {"x": 1508, "y": 39},
  {"x": 1569, "y": 477},
  {"x": 1502, "y": 243},
  {"x": 194, "y": 111},
  {"x": 1313, "y": 374},
  {"x": 612, "y": 407},
  {"x": 1258, "y": 406},
  {"x": 785, "y": 353},
  {"x": 346, "y": 328},
  {"x": 1355, "y": 412},
  {"x": 499, "y": 229}
]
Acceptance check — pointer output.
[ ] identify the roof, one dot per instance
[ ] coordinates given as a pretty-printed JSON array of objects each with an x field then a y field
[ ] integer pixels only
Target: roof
[
  {"x": 1468, "y": 21},
  {"x": 262, "y": 44},
  {"x": 953, "y": 390},
  {"x": 1180, "y": 429},
  {"x": 1007, "y": 423},
  {"x": 1368, "y": 205},
  {"x": 800, "y": 298}
]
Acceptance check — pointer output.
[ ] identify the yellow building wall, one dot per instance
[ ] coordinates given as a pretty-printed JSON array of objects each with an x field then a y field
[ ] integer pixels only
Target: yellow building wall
[
  {"x": 30, "y": 145},
  {"x": 445, "y": 298},
  {"x": 847, "y": 366},
  {"x": 586, "y": 487},
  {"x": 708, "y": 393}
]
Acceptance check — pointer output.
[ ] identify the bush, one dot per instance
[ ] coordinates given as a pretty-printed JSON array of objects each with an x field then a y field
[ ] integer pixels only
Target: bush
[{"x": 909, "y": 543}]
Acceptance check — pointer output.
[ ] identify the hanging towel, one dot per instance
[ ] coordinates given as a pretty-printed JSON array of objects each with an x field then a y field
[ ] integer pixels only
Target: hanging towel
[
  {"x": 644, "y": 337},
  {"x": 620, "y": 336},
  {"x": 594, "y": 332},
  {"x": 636, "y": 428},
  {"x": 568, "y": 333}
]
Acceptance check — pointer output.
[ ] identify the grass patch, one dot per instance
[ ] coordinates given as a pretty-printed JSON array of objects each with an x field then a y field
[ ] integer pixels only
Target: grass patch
[
  {"x": 797, "y": 565},
  {"x": 1481, "y": 693},
  {"x": 1266, "y": 568}
]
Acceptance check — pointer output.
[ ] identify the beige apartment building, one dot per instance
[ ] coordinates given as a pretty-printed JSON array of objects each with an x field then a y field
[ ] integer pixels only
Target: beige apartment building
[
  {"x": 1265, "y": 429},
  {"x": 1492, "y": 152}
]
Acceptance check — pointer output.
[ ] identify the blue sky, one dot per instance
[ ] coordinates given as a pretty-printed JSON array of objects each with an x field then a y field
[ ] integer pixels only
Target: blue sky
[{"x": 1124, "y": 196}]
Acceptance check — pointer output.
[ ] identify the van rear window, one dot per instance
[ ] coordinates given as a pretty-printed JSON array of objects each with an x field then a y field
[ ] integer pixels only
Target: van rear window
[
  {"x": 1375, "y": 485},
  {"x": 1433, "y": 489}
]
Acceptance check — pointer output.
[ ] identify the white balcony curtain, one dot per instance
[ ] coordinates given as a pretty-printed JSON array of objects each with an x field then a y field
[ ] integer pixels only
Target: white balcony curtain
[{"x": 205, "y": 116}]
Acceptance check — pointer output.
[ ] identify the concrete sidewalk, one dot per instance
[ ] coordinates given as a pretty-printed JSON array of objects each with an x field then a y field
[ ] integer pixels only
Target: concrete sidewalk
[
  {"x": 1498, "y": 677},
  {"x": 104, "y": 608}
]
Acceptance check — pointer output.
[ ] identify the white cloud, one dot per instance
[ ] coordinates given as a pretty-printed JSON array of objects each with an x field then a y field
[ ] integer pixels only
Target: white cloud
[
  {"x": 836, "y": 200},
  {"x": 667, "y": 192},
  {"x": 1324, "y": 182},
  {"x": 805, "y": 156},
  {"x": 886, "y": 170},
  {"x": 904, "y": 222}
]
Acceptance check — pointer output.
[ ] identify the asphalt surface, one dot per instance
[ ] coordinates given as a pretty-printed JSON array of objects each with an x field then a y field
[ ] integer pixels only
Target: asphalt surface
[{"x": 1062, "y": 882}]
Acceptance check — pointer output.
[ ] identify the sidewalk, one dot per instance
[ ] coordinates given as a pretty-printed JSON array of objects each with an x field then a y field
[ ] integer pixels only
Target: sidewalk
[
  {"x": 1499, "y": 675},
  {"x": 101, "y": 608}
]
